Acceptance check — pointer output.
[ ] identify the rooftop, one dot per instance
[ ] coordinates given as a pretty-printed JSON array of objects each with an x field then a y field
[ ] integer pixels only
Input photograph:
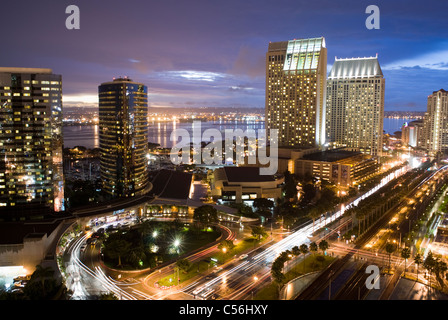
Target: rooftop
[
  {"x": 25, "y": 70},
  {"x": 331, "y": 155},
  {"x": 172, "y": 184},
  {"x": 16, "y": 232},
  {"x": 246, "y": 174},
  {"x": 355, "y": 68}
]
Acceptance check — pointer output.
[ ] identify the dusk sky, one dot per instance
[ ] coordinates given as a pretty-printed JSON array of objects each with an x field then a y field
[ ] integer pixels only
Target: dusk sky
[{"x": 211, "y": 53}]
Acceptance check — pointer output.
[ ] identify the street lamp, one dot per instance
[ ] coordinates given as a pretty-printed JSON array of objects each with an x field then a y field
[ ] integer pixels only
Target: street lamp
[{"x": 176, "y": 244}]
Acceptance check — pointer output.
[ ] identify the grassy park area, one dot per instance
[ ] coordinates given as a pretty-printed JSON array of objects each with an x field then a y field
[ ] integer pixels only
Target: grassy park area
[{"x": 207, "y": 265}]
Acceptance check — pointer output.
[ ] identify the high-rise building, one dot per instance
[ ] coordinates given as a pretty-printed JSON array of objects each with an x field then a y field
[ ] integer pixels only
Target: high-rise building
[
  {"x": 31, "y": 140},
  {"x": 411, "y": 133},
  {"x": 355, "y": 104},
  {"x": 123, "y": 123},
  {"x": 296, "y": 72},
  {"x": 436, "y": 123}
]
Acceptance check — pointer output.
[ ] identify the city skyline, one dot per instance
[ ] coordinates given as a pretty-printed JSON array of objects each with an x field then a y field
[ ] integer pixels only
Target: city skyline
[
  {"x": 209, "y": 150},
  {"x": 212, "y": 55}
]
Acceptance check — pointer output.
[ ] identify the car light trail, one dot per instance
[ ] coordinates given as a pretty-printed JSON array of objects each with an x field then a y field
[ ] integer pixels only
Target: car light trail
[{"x": 301, "y": 236}]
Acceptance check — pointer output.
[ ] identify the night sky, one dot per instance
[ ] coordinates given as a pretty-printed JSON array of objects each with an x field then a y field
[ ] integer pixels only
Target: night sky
[{"x": 212, "y": 53}]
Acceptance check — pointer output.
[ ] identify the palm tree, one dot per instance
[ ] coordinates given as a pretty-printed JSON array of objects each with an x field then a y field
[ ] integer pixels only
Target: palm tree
[
  {"x": 405, "y": 254},
  {"x": 314, "y": 213},
  {"x": 418, "y": 261},
  {"x": 429, "y": 264},
  {"x": 390, "y": 248},
  {"x": 359, "y": 216},
  {"x": 295, "y": 251},
  {"x": 304, "y": 250},
  {"x": 313, "y": 247},
  {"x": 323, "y": 245},
  {"x": 439, "y": 267},
  {"x": 42, "y": 274}
]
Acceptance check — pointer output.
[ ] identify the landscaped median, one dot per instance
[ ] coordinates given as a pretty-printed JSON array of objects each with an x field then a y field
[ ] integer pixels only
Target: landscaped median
[
  {"x": 208, "y": 264},
  {"x": 311, "y": 264}
]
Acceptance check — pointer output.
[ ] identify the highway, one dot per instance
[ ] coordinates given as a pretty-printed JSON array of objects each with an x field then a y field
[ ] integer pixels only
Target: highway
[
  {"x": 353, "y": 285},
  {"x": 238, "y": 279}
]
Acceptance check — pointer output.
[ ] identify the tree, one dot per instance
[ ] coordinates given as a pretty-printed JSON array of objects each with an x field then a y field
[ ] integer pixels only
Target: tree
[
  {"x": 304, "y": 250},
  {"x": 390, "y": 248},
  {"x": 226, "y": 245},
  {"x": 136, "y": 255},
  {"x": 42, "y": 274},
  {"x": 278, "y": 276},
  {"x": 323, "y": 245},
  {"x": 439, "y": 267},
  {"x": 206, "y": 214},
  {"x": 295, "y": 250},
  {"x": 116, "y": 246},
  {"x": 360, "y": 216},
  {"x": 184, "y": 265},
  {"x": 107, "y": 296},
  {"x": 418, "y": 261},
  {"x": 309, "y": 192},
  {"x": 429, "y": 264},
  {"x": 313, "y": 247},
  {"x": 264, "y": 206},
  {"x": 405, "y": 254},
  {"x": 289, "y": 188},
  {"x": 259, "y": 232},
  {"x": 315, "y": 213},
  {"x": 277, "y": 269}
]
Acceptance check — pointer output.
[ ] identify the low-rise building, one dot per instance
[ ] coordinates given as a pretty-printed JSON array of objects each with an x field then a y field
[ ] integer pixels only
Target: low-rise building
[
  {"x": 25, "y": 245},
  {"x": 239, "y": 184},
  {"x": 343, "y": 167}
]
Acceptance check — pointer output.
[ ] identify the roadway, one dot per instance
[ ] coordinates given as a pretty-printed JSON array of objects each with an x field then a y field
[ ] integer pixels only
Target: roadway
[
  {"x": 354, "y": 285},
  {"x": 238, "y": 279}
]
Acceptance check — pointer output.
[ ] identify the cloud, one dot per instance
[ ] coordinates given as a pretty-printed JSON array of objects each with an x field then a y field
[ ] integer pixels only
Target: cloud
[
  {"x": 434, "y": 60},
  {"x": 196, "y": 75},
  {"x": 250, "y": 62}
]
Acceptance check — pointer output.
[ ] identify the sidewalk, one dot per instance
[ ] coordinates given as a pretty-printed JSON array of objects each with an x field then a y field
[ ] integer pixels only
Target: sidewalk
[{"x": 412, "y": 290}]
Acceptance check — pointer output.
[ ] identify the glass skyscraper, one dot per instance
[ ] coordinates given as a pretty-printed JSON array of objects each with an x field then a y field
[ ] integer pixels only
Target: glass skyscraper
[
  {"x": 31, "y": 141},
  {"x": 123, "y": 112},
  {"x": 296, "y": 74}
]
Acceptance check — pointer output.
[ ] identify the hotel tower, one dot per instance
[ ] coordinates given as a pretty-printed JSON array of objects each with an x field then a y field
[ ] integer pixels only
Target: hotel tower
[
  {"x": 296, "y": 72},
  {"x": 435, "y": 125},
  {"x": 123, "y": 112},
  {"x": 355, "y": 104},
  {"x": 31, "y": 177}
]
